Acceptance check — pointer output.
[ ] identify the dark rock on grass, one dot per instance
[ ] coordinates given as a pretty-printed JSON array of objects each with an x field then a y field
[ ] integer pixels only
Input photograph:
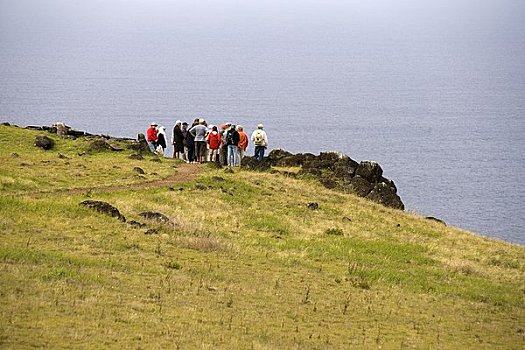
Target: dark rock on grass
[
  {"x": 250, "y": 163},
  {"x": 140, "y": 145},
  {"x": 15, "y": 155},
  {"x": 361, "y": 186},
  {"x": 136, "y": 156},
  {"x": 61, "y": 156},
  {"x": 229, "y": 171},
  {"x": 138, "y": 170},
  {"x": 44, "y": 142},
  {"x": 384, "y": 194},
  {"x": 200, "y": 187},
  {"x": 436, "y": 220},
  {"x": 102, "y": 145},
  {"x": 156, "y": 159},
  {"x": 136, "y": 224},
  {"x": 151, "y": 231},
  {"x": 104, "y": 208},
  {"x": 312, "y": 205},
  {"x": 370, "y": 171},
  {"x": 328, "y": 182},
  {"x": 347, "y": 218},
  {"x": 279, "y": 157},
  {"x": 158, "y": 217},
  {"x": 217, "y": 178}
]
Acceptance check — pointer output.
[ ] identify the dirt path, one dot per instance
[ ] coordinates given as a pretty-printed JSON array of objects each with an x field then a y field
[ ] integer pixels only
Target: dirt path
[{"x": 185, "y": 173}]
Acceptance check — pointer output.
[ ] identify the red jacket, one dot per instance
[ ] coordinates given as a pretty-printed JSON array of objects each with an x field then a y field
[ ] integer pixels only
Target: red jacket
[
  {"x": 214, "y": 140},
  {"x": 151, "y": 134}
]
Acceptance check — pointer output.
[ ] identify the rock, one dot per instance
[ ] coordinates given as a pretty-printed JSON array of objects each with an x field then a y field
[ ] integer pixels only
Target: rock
[
  {"x": 136, "y": 156},
  {"x": 151, "y": 231},
  {"x": 15, "y": 155},
  {"x": 370, "y": 171},
  {"x": 384, "y": 194},
  {"x": 136, "y": 224},
  {"x": 158, "y": 217},
  {"x": 250, "y": 163},
  {"x": 61, "y": 156},
  {"x": 436, "y": 220},
  {"x": 361, "y": 186},
  {"x": 328, "y": 182},
  {"x": 62, "y": 129},
  {"x": 312, "y": 205},
  {"x": 217, "y": 178},
  {"x": 76, "y": 133},
  {"x": 200, "y": 187},
  {"x": 140, "y": 145},
  {"x": 5, "y": 124},
  {"x": 104, "y": 208},
  {"x": 44, "y": 142},
  {"x": 331, "y": 156},
  {"x": 276, "y": 155},
  {"x": 138, "y": 170},
  {"x": 102, "y": 145},
  {"x": 346, "y": 218},
  {"x": 319, "y": 164},
  {"x": 155, "y": 159}
]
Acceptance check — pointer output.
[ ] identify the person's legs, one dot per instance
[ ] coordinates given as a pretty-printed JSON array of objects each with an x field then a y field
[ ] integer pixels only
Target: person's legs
[
  {"x": 240, "y": 153},
  {"x": 235, "y": 155},
  {"x": 230, "y": 155},
  {"x": 258, "y": 154},
  {"x": 151, "y": 145}
]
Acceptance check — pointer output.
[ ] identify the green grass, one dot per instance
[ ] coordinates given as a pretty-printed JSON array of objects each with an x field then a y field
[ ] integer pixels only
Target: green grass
[{"x": 246, "y": 265}]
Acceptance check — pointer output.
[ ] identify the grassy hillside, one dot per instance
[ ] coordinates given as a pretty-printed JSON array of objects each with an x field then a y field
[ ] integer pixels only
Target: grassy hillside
[{"x": 245, "y": 264}]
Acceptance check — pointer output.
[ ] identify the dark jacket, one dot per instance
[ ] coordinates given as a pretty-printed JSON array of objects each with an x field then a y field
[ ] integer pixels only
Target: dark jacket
[
  {"x": 234, "y": 139},
  {"x": 178, "y": 136}
]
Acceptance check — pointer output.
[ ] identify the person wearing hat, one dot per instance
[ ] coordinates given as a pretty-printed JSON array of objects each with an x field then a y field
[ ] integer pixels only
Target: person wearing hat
[
  {"x": 178, "y": 140},
  {"x": 260, "y": 140},
  {"x": 151, "y": 136}
]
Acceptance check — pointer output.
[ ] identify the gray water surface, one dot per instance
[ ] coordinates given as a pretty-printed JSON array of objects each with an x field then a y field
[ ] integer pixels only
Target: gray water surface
[{"x": 432, "y": 90}]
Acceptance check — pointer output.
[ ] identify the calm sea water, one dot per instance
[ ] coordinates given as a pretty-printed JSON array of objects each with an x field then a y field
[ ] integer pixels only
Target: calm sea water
[{"x": 432, "y": 90}]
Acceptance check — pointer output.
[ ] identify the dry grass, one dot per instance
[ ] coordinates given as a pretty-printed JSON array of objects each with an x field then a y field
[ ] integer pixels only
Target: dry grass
[{"x": 245, "y": 265}]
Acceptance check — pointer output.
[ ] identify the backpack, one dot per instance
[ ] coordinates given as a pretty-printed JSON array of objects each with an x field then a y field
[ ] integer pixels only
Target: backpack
[
  {"x": 229, "y": 138},
  {"x": 258, "y": 139}
]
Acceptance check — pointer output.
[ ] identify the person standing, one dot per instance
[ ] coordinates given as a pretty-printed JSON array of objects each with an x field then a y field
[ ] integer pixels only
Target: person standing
[
  {"x": 161, "y": 141},
  {"x": 243, "y": 142},
  {"x": 151, "y": 136},
  {"x": 184, "y": 130},
  {"x": 214, "y": 142},
  {"x": 223, "y": 151},
  {"x": 200, "y": 131},
  {"x": 178, "y": 140},
  {"x": 232, "y": 142},
  {"x": 260, "y": 140}
]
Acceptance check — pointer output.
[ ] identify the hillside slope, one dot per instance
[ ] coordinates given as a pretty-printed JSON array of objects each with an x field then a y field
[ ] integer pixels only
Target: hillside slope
[{"x": 243, "y": 262}]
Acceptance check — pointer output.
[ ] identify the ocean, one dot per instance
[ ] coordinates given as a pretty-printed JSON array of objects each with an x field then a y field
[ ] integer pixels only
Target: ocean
[{"x": 432, "y": 90}]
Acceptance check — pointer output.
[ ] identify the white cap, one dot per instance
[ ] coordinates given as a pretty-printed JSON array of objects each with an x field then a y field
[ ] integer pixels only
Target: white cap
[
  {"x": 260, "y": 126},
  {"x": 154, "y": 124}
]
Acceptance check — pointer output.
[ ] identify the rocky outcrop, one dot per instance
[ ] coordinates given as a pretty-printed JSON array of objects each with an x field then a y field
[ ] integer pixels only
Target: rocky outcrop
[
  {"x": 252, "y": 163},
  {"x": 157, "y": 217},
  {"x": 338, "y": 171},
  {"x": 104, "y": 208},
  {"x": 102, "y": 145},
  {"x": 44, "y": 142}
]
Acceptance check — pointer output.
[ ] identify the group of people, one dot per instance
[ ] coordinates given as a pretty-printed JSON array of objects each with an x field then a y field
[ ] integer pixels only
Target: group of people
[{"x": 225, "y": 144}]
